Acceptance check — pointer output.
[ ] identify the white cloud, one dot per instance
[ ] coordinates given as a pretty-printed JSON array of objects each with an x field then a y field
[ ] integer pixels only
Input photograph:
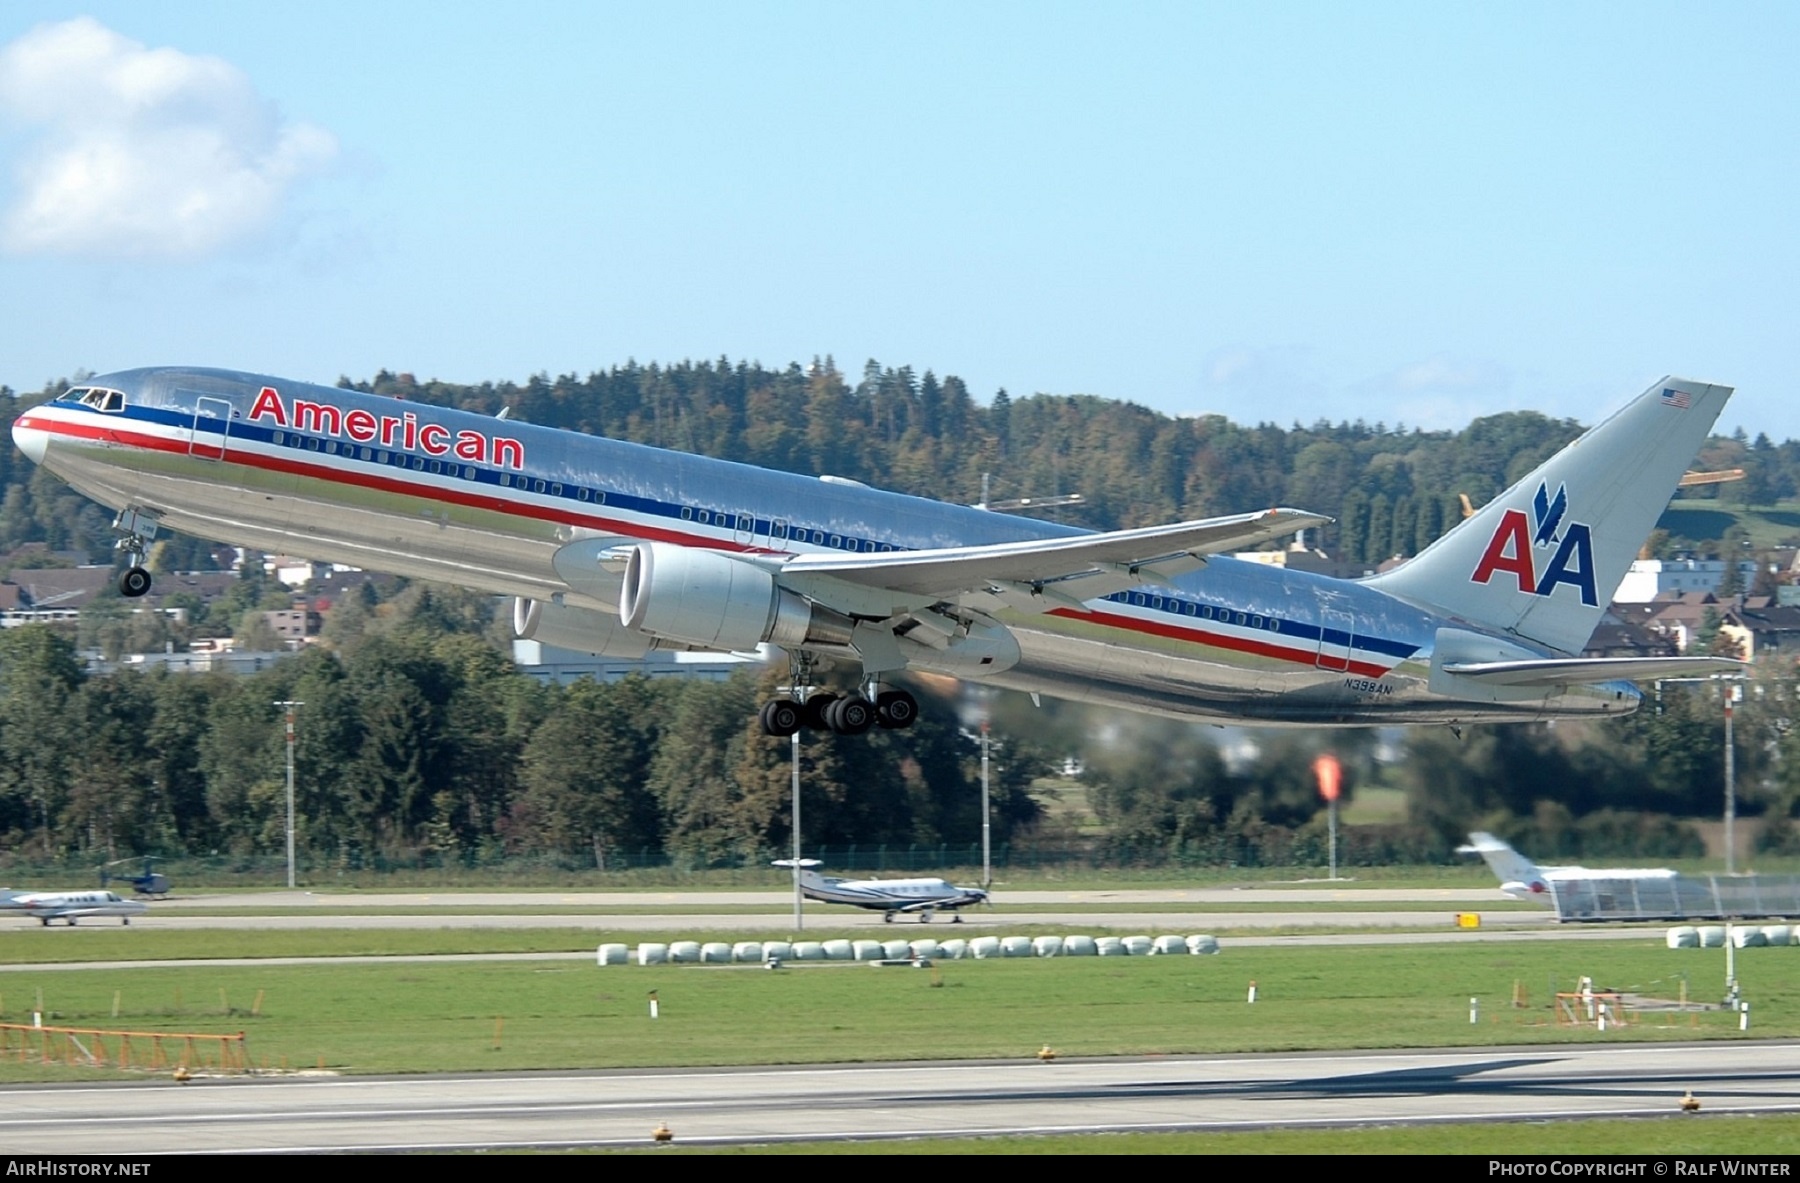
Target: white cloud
[
  {"x": 1441, "y": 392},
  {"x": 1442, "y": 374},
  {"x": 1251, "y": 384},
  {"x": 142, "y": 153}
]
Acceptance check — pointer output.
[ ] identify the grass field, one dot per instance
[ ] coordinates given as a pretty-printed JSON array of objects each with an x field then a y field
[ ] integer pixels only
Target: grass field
[
  {"x": 432, "y": 1016},
  {"x": 1677, "y": 1134},
  {"x": 1764, "y": 526}
]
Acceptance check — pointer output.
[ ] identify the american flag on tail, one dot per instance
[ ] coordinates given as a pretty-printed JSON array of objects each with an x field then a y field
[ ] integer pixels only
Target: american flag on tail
[{"x": 1679, "y": 399}]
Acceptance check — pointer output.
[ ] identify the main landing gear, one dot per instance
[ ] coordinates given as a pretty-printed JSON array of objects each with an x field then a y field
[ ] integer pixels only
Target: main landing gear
[
  {"x": 136, "y": 528},
  {"x": 843, "y": 714}
]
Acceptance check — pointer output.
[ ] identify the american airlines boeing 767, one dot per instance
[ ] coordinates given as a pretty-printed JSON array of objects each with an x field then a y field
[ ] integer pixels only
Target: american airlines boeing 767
[{"x": 616, "y": 549}]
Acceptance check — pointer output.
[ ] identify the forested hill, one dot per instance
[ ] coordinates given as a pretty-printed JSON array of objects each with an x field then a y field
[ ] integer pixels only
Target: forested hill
[{"x": 1391, "y": 489}]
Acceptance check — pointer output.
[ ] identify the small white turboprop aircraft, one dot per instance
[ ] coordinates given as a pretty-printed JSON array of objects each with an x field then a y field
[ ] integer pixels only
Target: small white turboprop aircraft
[
  {"x": 1522, "y": 879},
  {"x": 45, "y": 906},
  {"x": 889, "y": 896}
]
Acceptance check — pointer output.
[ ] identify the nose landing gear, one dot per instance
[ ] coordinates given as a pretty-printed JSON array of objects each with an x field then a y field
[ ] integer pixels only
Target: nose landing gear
[{"x": 137, "y": 529}]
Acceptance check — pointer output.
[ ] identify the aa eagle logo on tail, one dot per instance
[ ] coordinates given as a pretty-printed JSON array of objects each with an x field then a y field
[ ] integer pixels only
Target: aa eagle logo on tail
[{"x": 1514, "y": 546}]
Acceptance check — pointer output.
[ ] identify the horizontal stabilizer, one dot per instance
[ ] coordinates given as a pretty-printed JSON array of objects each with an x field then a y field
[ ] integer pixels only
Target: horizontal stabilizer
[{"x": 1573, "y": 671}]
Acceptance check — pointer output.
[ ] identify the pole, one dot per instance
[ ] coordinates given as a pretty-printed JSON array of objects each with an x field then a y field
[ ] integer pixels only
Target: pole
[
  {"x": 799, "y": 914},
  {"x": 1331, "y": 806},
  {"x": 987, "y": 829},
  {"x": 291, "y": 706},
  {"x": 1730, "y": 786}
]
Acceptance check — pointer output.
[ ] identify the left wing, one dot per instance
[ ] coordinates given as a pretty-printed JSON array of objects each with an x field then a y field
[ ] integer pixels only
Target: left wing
[{"x": 1041, "y": 574}]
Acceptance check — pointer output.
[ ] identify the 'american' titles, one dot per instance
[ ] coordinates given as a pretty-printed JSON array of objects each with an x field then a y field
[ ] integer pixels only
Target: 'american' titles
[{"x": 403, "y": 431}]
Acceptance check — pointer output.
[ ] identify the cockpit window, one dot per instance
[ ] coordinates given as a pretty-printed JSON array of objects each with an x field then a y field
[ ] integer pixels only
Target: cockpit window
[{"x": 100, "y": 398}]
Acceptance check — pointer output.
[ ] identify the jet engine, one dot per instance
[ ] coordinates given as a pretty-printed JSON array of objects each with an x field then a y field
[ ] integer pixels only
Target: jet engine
[
  {"x": 581, "y": 629},
  {"x": 716, "y": 601}
]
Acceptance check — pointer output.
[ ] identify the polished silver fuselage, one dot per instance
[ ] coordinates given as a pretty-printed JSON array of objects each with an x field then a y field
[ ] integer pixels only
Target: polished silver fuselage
[{"x": 427, "y": 492}]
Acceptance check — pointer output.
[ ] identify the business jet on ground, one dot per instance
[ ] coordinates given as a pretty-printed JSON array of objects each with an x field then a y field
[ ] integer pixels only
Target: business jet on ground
[
  {"x": 45, "y": 906},
  {"x": 889, "y": 896},
  {"x": 615, "y": 549},
  {"x": 1522, "y": 879}
]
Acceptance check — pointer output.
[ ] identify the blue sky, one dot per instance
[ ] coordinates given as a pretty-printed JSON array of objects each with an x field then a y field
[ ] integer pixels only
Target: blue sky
[{"x": 1395, "y": 212}]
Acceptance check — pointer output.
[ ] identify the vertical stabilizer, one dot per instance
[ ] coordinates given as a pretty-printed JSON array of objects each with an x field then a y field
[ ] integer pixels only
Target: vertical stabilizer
[
  {"x": 1516, "y": 872},
  {"x": 1543, "y": 559}
]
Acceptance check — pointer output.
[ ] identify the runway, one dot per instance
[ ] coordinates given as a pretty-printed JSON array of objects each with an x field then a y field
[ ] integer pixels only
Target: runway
[
  {"x": 823, "y": 917},
  {"x": 777, "y": 899},
  {"x": 648, "y": 912},
  {"x": 713, "y": 1107}
]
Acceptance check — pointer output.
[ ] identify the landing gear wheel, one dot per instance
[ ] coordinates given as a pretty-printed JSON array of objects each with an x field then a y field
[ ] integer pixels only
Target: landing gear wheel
[
  {"x": 781, "y": 717},
  {"x": 851, "y": 715},
  {"x": 887, "y": 917},
  {"x": 134, "y": 582},
  {"x": 896, "y": 710},
  {"x": 815, "y": 709}
]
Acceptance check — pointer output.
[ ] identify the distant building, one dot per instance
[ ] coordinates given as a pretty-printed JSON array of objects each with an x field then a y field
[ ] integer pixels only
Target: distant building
[
  {"x": 1298, "y": 556},
  {"x": 1651, "y": 579},
  {"x": 294, "y": 625},
  {"x": 43, "y": 588},
  {"x": 1681, "y": 618},
  {"x": 547, "y": 663},
  {"x": 1763, "y": 630},
  {"x": 1624, "y": 631},
  {"x": 202, "y": 659}
]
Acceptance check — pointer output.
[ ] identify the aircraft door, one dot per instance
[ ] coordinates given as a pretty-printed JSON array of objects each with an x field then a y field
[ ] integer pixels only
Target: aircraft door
[
  {"x": 212, "y": 426},
  {"x": 744, "y": 529},
  {"x": 1337, "y": 632}
]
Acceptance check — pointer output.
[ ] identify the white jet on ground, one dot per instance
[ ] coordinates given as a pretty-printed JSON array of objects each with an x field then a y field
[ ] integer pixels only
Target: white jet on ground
[
  {"x": 45, "y": 906},
  {"x": 1522, "y": 879}
]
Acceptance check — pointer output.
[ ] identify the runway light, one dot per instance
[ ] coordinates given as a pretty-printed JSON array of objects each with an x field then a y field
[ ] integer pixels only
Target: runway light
[{"x": 662, "y": 1132}]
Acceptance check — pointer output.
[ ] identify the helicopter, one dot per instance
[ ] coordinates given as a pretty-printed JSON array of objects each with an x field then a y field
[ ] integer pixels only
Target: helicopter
[{"x": 150, "y": 883}]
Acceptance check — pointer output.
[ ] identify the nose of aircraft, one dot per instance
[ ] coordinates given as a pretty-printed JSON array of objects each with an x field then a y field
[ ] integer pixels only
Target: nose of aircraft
[{"x": 30, "y": 440}]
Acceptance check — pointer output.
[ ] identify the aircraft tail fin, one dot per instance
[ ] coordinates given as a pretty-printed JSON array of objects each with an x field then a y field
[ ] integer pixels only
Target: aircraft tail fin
[
  {"x": 1513, "y": 868},
  {"x": 809, "y": 869},
  {"x": 1543, "y": 559}
]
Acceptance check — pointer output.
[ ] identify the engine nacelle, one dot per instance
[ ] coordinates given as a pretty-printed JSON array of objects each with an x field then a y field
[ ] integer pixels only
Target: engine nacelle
[
  {"x": 581, "y": 629},
  {"x": 718, "y": 602},
  {"x": 984, "y": 649}
]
